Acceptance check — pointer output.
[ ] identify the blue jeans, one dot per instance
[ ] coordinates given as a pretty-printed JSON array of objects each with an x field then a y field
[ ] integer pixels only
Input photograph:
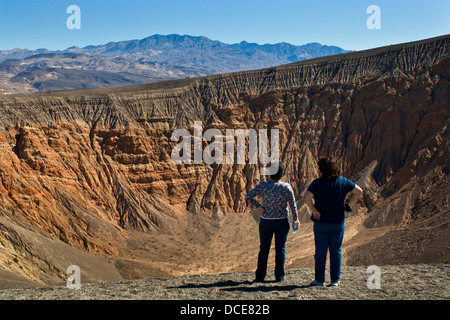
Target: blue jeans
[
  {"x": 328, "y": 236},
  {"x": 267, "y": 228}
]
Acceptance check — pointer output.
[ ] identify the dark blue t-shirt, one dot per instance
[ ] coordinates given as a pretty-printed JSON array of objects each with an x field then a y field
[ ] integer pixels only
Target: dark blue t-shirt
[{"x": 329, "y": 197}]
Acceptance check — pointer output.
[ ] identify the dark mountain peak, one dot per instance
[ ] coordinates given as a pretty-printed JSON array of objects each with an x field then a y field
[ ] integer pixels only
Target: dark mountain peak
[{"x": 73, "y": 49}]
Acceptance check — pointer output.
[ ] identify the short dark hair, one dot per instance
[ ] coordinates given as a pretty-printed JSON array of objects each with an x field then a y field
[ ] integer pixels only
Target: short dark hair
[
  {"x": 277, "y": 176},
  {"x": 329, "y": 167}
]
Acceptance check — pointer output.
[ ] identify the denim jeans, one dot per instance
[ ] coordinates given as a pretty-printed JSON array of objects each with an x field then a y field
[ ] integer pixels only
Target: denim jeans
[
  {"x": 328, "y": 236},
  {"x": 267, "y": 228}
]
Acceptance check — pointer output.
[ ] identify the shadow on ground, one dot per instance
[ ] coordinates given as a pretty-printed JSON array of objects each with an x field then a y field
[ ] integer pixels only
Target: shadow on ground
[{"x": 244, "y": 286}]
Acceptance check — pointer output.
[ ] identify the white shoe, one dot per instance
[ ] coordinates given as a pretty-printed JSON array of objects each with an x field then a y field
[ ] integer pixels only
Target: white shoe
[
  {"x": 316, "y": 283},
  {"x": 335, "y": 284}
]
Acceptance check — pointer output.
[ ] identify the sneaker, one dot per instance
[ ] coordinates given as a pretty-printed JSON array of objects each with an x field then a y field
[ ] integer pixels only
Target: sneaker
[
  {"x": 316, "y": 283},
  {"x": 335, "y": 284}
]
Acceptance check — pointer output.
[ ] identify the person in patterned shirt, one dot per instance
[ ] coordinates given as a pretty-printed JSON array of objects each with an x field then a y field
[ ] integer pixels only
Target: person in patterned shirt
[{"x": 276, "y": 197}]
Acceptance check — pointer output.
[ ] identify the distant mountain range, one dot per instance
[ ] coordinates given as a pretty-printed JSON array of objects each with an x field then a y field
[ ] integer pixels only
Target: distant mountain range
[{"x": 154, "y": 58}]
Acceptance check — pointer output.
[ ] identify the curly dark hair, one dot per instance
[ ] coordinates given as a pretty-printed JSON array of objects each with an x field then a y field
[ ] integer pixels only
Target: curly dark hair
[
  {"x": 277, "y": 175},
  {"x": 329, "y": 167}
]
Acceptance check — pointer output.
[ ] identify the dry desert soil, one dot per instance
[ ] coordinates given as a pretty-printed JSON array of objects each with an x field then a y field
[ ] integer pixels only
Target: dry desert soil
[{"x": 402, "y": 282}]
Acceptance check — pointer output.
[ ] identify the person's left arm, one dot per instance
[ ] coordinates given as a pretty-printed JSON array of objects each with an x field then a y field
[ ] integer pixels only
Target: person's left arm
[
  {"x": 355, "y": 194},
  {"x": 293, "y": 205}
]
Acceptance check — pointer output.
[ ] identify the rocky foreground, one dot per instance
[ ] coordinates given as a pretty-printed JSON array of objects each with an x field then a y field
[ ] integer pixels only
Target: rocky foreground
[{"x": 404, "y": 282}]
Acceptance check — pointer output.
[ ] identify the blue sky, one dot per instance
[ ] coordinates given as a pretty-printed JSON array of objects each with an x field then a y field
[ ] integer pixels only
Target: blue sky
[{"x": 36, "y": 24}]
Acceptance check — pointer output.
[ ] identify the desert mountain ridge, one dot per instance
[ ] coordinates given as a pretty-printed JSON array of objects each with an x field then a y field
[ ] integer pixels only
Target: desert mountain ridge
[
  {"x": 87, "y": 178},
  {"x": 152, "y": 59}
]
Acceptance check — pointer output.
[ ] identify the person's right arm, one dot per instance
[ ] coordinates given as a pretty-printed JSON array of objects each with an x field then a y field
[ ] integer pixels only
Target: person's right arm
[
  {"x": 308, "y": 198},
  {"x": 250, "y": 198}
]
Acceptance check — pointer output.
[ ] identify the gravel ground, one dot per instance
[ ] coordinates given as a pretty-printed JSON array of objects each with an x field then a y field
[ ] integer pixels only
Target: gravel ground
[{"x": 404, "y": 282}]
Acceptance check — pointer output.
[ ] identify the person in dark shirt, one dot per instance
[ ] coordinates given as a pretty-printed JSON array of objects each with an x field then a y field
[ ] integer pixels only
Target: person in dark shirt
[
  {"x": 276, "y": 196},
  {"x": 329, "y": 193}
]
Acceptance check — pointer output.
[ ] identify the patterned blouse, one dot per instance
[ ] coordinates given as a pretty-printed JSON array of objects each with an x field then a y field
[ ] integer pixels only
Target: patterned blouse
[{"x": 275, "y": 196}]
